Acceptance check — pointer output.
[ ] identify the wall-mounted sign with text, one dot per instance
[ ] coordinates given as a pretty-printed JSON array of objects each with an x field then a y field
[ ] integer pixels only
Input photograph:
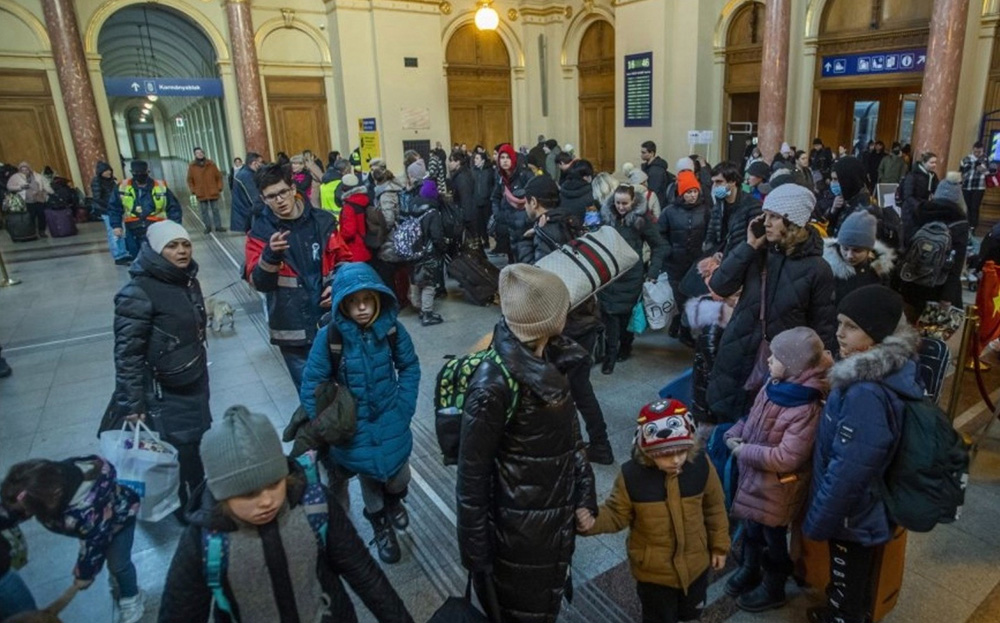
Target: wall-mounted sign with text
[
  {"x": 874, "y": 63},
  {"x": 164, "y": 87},
  {"x": 639, "y": 90}
]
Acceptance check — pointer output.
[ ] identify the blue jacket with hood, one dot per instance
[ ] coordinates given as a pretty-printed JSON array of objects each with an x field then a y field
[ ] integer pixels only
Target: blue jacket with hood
[
  {"x": 858, "y": 435},
  {"x": 383, "y": 380}
]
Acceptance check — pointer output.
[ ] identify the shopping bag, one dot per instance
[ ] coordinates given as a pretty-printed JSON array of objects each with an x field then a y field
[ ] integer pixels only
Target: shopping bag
[
  {"x": 658, "y": 302},
  {"x": 459, "y": 609},
  {"x": 145, "y": 464},
  {"x": 590, "y": 262},
  {"x": 637, "y": 323}
]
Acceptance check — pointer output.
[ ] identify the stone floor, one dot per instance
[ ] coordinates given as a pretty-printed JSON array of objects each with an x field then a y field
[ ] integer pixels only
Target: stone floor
[{"x": 56, "y": 326}]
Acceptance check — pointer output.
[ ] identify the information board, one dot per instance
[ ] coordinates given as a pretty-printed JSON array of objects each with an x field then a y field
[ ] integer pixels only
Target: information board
[
  {"x": 639, "y": 90},
  {"x": 164, "y": 87},
  {"x": 874, "y": 63}
]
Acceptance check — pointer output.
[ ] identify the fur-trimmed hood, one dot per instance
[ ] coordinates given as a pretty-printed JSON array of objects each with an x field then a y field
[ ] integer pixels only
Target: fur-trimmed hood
[
  {"x": 704, "y": 311},
  {"x": 882, "y": 263},
  {"x": 639, "y": 208},
  {"x": 882, "y": 362}
]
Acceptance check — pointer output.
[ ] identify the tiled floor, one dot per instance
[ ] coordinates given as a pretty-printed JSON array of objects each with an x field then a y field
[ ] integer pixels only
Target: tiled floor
[{"x": 56, "y": 331}]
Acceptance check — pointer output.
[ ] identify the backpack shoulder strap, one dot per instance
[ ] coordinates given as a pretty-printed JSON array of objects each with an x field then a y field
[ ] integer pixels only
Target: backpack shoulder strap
[
  {"x": 512, "y": 384},
  {"x": 335, "y": 342},
  {"x": 215, "y": 553},
  {"x": 315, "y": 500}
]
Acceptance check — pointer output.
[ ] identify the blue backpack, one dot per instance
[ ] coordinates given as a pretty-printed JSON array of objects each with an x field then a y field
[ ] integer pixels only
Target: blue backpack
[
  {"x": 215, "y": 543},
  {"x": 723, "y": 461}
]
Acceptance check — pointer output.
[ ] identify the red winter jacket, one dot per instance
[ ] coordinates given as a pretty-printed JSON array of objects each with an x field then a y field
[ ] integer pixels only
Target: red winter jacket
[
  {"x": 775, "y": 463},
  {"x": 352, "y": 224}
]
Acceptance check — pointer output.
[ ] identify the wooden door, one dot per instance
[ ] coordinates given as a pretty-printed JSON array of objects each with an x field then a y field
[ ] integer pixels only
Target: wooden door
[
  {"x": 597, "y": 96},
  {"x": 744, "y": 107},
  {"x": 29, "y": 122},
  {"x": 297, "y": 110},
  {"x": 479, "y": 93}
]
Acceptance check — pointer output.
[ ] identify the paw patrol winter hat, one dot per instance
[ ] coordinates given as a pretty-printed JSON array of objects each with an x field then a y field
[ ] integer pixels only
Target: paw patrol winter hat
[
  {"x": 798, "y": 349},
  {"x": 534, "y": 302},
  {"x": 664, "y": 426},
  {"x": 162, "y": 233},
  {"x": 241, "y": 454}
]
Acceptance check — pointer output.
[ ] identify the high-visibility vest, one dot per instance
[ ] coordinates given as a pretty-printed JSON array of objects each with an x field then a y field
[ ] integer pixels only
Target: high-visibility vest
[
  {"x": 327, "y": 194},
  {"x": 133, "y": 212}
]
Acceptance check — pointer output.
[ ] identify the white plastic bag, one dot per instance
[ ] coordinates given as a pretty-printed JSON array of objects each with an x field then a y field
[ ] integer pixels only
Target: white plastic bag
[
  {"x": 147, "y": 465},
  {"x": 658, "y": 302}
]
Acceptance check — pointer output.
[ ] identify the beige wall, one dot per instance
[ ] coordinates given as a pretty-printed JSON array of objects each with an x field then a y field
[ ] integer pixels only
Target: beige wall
[{"x": 358, "y": 46}]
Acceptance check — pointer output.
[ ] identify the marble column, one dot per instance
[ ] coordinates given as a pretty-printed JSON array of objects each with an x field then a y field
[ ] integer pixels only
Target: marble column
[
  {"x": 74, "y": 81},
  {"x": 774, "y": 77},
  {"x": 936, "y": 111},
  {"x": 241, "y": 34}
]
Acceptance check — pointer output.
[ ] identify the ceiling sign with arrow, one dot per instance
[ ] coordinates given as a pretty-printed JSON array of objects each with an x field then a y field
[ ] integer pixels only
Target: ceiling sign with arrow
[
  {"x": 164, "y": 87},
  {"x": 874, "y": 63}
]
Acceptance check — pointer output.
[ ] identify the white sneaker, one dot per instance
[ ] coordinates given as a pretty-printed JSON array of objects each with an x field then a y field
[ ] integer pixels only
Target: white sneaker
[{"x": 131, "y": 609}]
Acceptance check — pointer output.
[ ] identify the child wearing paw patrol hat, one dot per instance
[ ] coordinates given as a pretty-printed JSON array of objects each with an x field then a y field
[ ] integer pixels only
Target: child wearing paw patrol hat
[{"x": 670, "y": 498}]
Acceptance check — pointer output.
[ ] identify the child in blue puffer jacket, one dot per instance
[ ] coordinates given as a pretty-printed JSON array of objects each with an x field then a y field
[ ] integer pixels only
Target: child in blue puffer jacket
[
  {"x": 379, "y": 366},
  {"x": 858, "y": 432}
]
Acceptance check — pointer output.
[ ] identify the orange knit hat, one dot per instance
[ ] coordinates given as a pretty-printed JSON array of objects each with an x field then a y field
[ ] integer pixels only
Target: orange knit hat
[{"x": 687, "y": 181}]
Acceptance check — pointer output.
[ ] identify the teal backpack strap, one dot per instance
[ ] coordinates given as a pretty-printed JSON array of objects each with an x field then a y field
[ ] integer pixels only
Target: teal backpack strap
[
  {"x": 314, "y": 501},
  {"x": 215, "y": 546}
]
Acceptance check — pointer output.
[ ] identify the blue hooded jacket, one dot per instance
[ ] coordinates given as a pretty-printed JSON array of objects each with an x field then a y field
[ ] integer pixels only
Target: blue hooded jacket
[
  {"x": 384, "y": 383},
  {"x": 858, "y": 435}
]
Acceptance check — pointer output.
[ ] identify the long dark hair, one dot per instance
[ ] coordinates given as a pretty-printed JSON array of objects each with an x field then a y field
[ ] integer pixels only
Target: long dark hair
[{"x": 36, "y": 486}]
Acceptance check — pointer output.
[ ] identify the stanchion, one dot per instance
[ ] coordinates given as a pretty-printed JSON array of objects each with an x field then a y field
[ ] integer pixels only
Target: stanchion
[
  {"x": 5, "y": 279},
  {"x": 968, "y": 326}
]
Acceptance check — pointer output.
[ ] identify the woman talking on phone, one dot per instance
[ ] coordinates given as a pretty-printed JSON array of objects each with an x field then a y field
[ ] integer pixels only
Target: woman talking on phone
[
  {"x": 161, "y": 368},
  {"x": 785, "y": 282}
]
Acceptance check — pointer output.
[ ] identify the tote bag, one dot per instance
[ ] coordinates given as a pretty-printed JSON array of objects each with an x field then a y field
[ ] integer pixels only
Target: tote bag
[
  {"x": 658, "y": 302},
  {"x": 590, "y": 262},
  {"x": 145, "y": 464}
]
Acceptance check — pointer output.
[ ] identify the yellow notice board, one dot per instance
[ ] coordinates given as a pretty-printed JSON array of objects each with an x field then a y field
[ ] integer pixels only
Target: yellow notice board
[{"x": 368, "y": 134}]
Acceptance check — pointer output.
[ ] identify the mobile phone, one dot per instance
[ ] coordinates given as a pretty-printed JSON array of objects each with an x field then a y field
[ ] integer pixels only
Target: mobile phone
[{"x": 757, "y": 227}]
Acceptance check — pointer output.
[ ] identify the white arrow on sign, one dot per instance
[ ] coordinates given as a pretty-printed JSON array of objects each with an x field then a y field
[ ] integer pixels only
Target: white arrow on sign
[
  {"x": 135, "y": 86},
  {"x": 827, "y": 66},
  {"x": 921, "y": 59}
]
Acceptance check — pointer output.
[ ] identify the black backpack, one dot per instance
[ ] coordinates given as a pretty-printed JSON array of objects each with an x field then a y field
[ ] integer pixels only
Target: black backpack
[
  {"x": 376, "y": 227},
  {"x": 929, "y": 258},
  {"x": 451, "y": 220},
  {"x": 924, "y": 484}
]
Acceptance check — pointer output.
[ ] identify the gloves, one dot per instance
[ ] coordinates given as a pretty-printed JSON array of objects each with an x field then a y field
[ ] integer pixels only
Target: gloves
[
  {"x": 271, "y": 256},
  {"x": 733, "y": 442}
]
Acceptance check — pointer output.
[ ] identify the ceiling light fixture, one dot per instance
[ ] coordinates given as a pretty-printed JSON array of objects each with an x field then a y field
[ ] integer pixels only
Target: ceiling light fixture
[
  {"x": 152, "y": 98},
  {"x": 487, "y": 17}
]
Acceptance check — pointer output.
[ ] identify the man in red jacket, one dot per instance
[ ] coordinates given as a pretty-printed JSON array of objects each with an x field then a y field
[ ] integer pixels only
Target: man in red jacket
[{"x": 291, "y": 253}]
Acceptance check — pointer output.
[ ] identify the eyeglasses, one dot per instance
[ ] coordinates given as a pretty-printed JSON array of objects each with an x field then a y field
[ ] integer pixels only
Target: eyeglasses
[{"x": 278, "y": 196}]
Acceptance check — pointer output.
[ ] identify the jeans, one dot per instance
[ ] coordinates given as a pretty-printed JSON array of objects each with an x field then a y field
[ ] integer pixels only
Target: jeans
[
  {"x": 212, "y": 206},
  {"x": 134, "y": 237},
  {"x": 295, "y": 360},
  {"x": 666, "y": 604},
  {"x": 583, "y": 394},
  {"x": 115, "y": 244},
  {"x": 422, "y": 296},
  {"x": 120, "y": 567},
  {"x": 849, "y": 591},
  {"x": 15, "y": 596}
]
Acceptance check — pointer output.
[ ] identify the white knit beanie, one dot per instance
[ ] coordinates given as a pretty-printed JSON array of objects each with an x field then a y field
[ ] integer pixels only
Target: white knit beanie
[
  {"x": 685, "y": 164},
  {"x": 533, "y": 301},
  {"x": 162, "y": 233},
  {"x": 791, "y": 201}
]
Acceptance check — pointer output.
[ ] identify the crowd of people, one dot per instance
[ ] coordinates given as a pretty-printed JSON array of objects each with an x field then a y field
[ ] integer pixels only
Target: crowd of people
[{"x": 797, "y": 296}]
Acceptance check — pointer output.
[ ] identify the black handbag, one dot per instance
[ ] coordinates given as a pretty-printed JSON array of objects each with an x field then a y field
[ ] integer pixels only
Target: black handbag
[{"x": 459, "y": 609}]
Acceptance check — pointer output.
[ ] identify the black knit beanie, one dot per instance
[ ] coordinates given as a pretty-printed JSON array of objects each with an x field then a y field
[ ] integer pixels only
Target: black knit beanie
[{"x": 876, "y": 309}]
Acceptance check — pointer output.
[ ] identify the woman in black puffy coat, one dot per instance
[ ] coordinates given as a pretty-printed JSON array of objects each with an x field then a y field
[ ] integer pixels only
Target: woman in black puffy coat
[
  {"x": 521, "y": 479},
  {"x": 161, "y": 368}
]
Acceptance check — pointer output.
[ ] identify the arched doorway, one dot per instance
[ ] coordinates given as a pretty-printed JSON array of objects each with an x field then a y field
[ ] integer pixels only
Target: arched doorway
[
  {"x": 869, "y": 98},
  {"x": 744, "y": 48},
  {"x": 161, "y": 76},
  {"x": 597, "y": 95},
  {"x": 479, "y": 101}
]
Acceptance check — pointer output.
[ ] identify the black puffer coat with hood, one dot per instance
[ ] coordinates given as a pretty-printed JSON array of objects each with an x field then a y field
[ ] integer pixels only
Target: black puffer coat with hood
[
  {"x": 521, "y": 480},
  {"x": 575, "y": 196},
  {"x": 160, "y": 323},
  {"x": 636, "y": 227},
  {"x": 187, "y": 598},
  {"x": 799, "y": 293},
  {"x": 102, "y": 188}
]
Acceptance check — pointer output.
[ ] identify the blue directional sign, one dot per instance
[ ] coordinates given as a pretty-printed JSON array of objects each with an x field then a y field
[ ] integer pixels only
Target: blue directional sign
[
  {"x": 874, "y": 63},
  {"x": 164, "y": 87}
]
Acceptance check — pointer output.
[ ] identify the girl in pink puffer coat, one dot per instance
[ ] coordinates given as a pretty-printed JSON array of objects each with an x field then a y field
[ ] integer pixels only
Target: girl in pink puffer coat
[{"x": 773, "y": 447}]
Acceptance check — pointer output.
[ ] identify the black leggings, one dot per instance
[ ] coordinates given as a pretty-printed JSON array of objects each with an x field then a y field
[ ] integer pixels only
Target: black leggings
[
  {"x": 665, "y": 604},
  {"x": 583, "y": 393},
  {"x": 37, "y": 211},
  {"x": 192, "y": 472},
  {"x": 849, "y": 590},
  {"x": 619, "y": 338}
]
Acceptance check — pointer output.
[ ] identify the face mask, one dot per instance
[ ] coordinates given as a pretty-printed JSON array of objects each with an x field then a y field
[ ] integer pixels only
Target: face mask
[
  {"x": 835, "y": 188},
  {"x": 141, "y": 178},
  {"x": 720, "y": 192}
]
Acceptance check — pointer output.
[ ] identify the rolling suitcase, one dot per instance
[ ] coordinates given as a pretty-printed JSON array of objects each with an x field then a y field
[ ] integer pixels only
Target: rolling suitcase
[
  {"x": 476, "y": 276},
  {"x": 812, "y": 567},
  {"x": 21, "y": 226},
  {"x": 61, "y": 222},
  {"x": 934, "y": 356}
]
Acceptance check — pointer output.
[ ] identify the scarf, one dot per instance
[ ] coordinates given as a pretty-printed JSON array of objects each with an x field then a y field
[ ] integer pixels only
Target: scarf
[{"x": 791, "y": 394}]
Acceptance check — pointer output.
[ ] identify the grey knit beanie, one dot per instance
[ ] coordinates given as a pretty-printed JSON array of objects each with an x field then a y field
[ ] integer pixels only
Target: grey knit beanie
[
  {"x": 858, "y": 230},
  {"x": 791, "y": 201},
  {"x": 417, "y": 171},
  {"x": 533, "y": 301},
  {"x": 798, "y": 349},
  {"x": 950, "y": 188},
  {"x": 241, "y": 454}
]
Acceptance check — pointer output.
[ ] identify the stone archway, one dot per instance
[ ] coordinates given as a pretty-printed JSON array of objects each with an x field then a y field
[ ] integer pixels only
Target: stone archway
[{"x": 479, "y": 88}]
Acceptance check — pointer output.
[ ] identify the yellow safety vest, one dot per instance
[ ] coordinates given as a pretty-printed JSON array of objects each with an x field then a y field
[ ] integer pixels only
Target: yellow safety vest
[
  {"x": 132, "y": 211},
  {"x": 327, "y": 194}
]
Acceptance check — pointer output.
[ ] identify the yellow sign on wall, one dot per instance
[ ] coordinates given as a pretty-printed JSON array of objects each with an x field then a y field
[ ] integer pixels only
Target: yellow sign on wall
[{"x": 369, "y": 143}]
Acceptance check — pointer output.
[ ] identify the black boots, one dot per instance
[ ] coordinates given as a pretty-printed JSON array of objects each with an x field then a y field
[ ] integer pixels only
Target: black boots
[
  {"x": 769, "y": 594},
  {"x": 385, "y": 537},
  {"x": 748, "y": 576},
  {"x": 430, "y": 318},
  {"x": 398, "y": 516},
  {"x": 608, "y": 367}
]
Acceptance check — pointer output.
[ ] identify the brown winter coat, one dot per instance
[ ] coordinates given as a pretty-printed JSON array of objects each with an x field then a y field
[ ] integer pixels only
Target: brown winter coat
[
  {"x": 204, "y": 180},
  {"x": 675, "y": 521},
  {"x": 775, "y": 462}
]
